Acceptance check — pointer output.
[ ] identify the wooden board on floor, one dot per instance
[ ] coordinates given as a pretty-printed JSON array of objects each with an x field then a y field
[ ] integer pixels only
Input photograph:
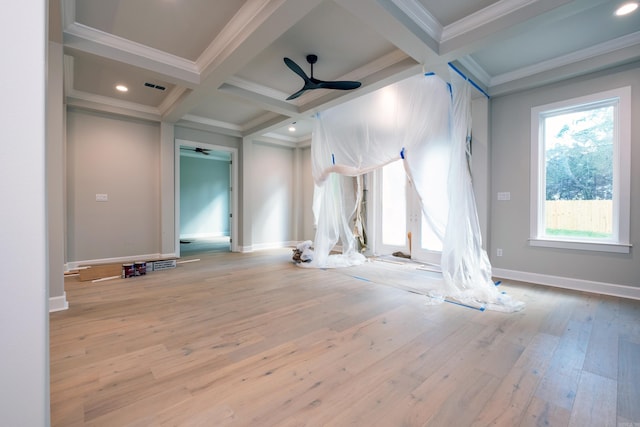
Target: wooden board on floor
[{"x": 100, "y": 271}]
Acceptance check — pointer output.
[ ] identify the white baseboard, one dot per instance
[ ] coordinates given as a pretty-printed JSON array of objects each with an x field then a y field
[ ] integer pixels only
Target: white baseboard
[
  {"x": 266, "y": 246},
  {"x": 163, "y": 256},
  {"x": 623, "y": 291},
  {"x": 204, "y": 235},
  {"x": 72, "y": 265},
  {"x": 58, "y": 303}
]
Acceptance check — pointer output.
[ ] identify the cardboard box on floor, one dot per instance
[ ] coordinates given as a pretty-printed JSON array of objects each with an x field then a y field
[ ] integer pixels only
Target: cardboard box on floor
[{"x": 102, "y": 271}]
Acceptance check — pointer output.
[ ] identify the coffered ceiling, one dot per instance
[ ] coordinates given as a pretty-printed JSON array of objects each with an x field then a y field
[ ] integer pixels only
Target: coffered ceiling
[{"x": 218, "y": 65}]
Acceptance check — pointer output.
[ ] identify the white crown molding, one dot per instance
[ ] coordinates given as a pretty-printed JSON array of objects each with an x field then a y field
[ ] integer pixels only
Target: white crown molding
[
  {"x": 430, "y": 25},
  {"x": 475, "y": 69},
  {"x": 581, "y": 55},
  {"x": 91, "y": 40},
  {"x": 279, "y": 137},
  {"x": 243, "y": 23},
  {"x": 174, "y": 96},
  {"x": 256, "y": 88},
  {"x": 211, "y": 122},
  {"x": 483, "y": 17},
  {"x": 418, "y": 14},
  {"x": 275, "y": 139},
  {"x": 81, "y": 99}
]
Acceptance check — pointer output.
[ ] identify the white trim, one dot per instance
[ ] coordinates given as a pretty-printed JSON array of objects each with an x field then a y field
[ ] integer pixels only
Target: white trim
[
  {"x": 421, "y": 16},
  {"x": 210, "y": 122},
  {"x": 607, "y": 47},
  {"x": 234, "y": 190},
  {"x": 619, "y": 242},
  {"x": 616, "y": 290},
  {"x": 91, "y": 40},
  {"x": 75, "y": 97},
  {"x": 73, "y": 265},
  {"x": 256, "y": 87},
  {"x": 475, "y": 70},
  {"x": 584, "y": 246},
  {"x": 483, "y": 17},
  {"x": 58, "y": 303},
  {"x": 203, "y": 235},
  {"x": 273, "y": 245}
]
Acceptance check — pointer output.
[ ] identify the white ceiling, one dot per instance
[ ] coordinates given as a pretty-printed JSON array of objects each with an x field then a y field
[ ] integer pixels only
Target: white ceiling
[{"x": 221, "y": 62}]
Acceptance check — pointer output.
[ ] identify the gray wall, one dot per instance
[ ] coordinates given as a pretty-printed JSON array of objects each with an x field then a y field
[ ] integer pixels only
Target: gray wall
[
  {"x": 510, "y": 166},
  {"x": 204, "y": 197},
  {"x": 271, "y": 194},
  {"x": 118, "y": 157},
  {"x": 55, "y": 166},
  {"x": 308, "y": 226}
]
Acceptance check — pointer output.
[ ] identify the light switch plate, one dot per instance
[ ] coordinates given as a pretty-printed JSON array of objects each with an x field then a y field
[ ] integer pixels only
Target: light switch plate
[
  {"x": 102, "y": 197},
  {"x": 504, "y": 195}
]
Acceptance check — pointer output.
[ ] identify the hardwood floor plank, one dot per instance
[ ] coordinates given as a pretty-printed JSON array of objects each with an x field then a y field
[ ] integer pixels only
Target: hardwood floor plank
[
  {"x": 544, "y": 413},
  {"x": 595, "y": 404},
  {"x": 560, "y": 382},
  {"x": 602, "y": 353},
  {"x": 629, "y": 381},
  {"x": 511, "y": 399}
]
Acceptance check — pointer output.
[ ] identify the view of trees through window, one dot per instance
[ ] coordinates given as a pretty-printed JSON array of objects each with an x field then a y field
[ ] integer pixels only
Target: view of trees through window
[{"x": 579, "y": 172}]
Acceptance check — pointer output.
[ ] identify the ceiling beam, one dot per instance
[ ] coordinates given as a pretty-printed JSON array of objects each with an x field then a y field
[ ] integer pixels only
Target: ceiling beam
[{"x": 256, "y": 26}]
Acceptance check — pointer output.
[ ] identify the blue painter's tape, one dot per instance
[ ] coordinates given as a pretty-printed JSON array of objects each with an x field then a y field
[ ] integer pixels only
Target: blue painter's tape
[
  {"x": 361, "y": 278},
  {"x": 469, "y": 80},
  {"x": 333, "y": 158},
  {"x": 465, "y": 305},
  {"x": 498, "y": 282},
  {"x": 402, "y": 153},
  {"x": 430, "y": 73}
]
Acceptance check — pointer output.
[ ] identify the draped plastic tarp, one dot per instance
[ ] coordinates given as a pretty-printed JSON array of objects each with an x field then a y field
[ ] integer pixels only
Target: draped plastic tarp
[{"x": 424, "y": 121}]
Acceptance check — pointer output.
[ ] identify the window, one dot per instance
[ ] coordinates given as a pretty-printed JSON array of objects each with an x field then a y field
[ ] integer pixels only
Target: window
[{"x": 580, "y": 169}]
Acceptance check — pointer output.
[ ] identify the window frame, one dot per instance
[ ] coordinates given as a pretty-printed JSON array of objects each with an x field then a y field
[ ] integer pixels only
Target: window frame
[{"x": 619, "y": 242}]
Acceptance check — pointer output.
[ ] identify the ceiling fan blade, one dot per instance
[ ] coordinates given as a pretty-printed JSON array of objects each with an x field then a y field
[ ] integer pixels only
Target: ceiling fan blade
[
  {"x": 340, "y": 85},
  {"x": 296, "y": 69},
  {"x": 298, "y": 93}
]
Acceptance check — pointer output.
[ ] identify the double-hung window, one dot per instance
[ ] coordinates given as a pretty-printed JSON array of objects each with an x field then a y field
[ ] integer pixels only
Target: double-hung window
[{"x": 580, "y": 172}]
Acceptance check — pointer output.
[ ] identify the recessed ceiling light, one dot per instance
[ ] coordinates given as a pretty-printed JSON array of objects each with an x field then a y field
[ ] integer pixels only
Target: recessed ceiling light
[
  {"x": 122, "y": 88},
  {"x": 292, "y": 128},
  {"x": 626, "y": 8}
]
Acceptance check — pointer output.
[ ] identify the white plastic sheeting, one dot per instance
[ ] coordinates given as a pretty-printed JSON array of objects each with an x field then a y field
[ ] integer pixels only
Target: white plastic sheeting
[{"x": 425, "y": 121}]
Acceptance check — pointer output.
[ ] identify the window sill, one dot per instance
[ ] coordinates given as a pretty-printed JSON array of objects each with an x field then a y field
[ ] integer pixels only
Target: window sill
[{"x": 620, "y": 248}]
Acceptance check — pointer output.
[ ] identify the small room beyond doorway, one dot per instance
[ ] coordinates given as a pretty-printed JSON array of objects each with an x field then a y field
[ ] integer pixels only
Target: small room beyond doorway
[{"x": 205, "y": 200}]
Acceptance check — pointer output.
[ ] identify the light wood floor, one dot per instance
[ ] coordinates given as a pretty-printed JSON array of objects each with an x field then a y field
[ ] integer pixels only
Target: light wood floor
[{"x": 253, "y": 340}]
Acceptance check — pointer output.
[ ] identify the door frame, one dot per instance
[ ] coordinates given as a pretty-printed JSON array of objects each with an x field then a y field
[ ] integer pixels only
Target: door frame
[{"x": 233, "y": 190}]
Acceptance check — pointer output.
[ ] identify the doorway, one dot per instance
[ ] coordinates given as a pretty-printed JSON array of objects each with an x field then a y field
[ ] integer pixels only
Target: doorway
[
  {"x": 205, "y": 177},
  {"x": 401, "y": 227}
]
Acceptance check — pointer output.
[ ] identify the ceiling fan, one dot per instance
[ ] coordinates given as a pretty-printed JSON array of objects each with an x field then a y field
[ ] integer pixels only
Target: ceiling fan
[
  {"x": 312, "y": 83},
  {"x": 204, "y": 151}
]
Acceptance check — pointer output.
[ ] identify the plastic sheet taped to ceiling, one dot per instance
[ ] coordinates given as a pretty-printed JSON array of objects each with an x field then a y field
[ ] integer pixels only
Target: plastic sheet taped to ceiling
[{"x": 424, "y": 122}]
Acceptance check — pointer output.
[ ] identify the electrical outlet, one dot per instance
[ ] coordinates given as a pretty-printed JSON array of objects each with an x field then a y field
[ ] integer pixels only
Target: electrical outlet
[
  {"x": 499, "y": 252},
  {"x": 102, "y": 197}
]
